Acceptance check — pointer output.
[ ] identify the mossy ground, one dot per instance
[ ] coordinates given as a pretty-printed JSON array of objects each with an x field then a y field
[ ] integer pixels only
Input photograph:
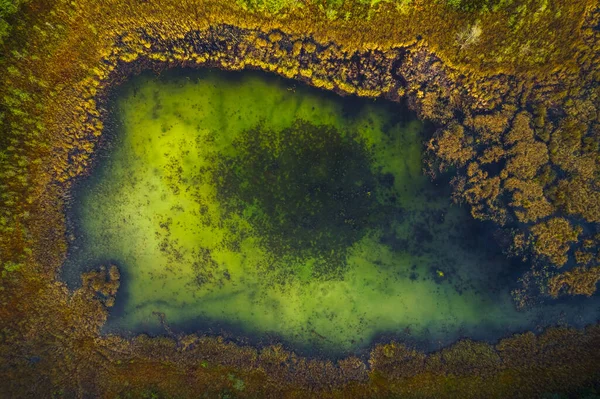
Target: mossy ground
[{"x": 257, "y": 205}]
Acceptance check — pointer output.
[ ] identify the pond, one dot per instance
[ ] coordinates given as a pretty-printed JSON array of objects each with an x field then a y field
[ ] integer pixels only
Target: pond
[{"x": 244, "y": 204}]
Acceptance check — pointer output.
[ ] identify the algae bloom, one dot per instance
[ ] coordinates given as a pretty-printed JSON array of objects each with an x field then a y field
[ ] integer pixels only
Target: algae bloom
[{"x": 250, "y": 204}]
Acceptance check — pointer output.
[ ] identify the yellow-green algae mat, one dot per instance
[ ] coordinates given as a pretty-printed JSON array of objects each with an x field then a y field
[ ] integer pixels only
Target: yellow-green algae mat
[{"x": 254, "y": 205}]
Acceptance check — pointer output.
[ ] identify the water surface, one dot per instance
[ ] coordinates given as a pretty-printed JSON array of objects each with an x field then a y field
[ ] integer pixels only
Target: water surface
[{"x": 276, "y": 212}]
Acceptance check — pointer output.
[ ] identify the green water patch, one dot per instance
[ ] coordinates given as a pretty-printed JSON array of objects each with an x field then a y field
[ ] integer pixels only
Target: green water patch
[
  {"x": 307, "y": 191},
  {"x": 256, "y": 207}
]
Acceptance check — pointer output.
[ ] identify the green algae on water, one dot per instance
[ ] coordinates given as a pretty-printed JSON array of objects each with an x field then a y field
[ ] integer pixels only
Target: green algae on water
[{"x": 270, "y": 209}]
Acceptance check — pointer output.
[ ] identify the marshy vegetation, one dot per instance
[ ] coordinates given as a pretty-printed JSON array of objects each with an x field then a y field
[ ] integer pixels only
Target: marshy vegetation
[{"x": 510, "y": 85}]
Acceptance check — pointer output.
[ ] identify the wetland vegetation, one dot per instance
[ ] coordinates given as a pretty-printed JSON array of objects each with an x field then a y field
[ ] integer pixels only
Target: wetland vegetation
[{"x": 417, "y": 243}]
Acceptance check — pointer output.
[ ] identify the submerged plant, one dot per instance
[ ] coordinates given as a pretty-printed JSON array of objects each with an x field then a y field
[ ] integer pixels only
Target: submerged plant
[{"x": 309, "y": 191}]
